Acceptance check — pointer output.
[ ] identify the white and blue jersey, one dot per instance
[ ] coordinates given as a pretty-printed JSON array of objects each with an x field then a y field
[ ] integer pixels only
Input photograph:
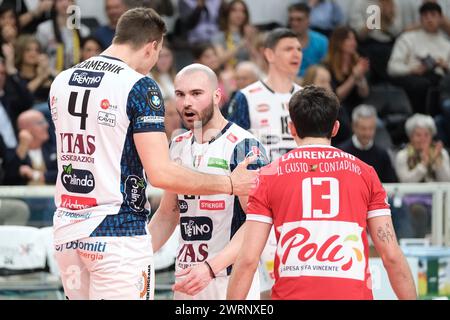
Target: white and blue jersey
[
  {"x": 207, "y": 223},
  {"x": 97, "y": 106}
]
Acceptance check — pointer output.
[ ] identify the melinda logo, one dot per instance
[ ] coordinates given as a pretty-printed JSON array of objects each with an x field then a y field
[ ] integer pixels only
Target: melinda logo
[
  {"x": 86, "y": 79},
  {"x": 77, "y": 181},
  {"x": 77, "y": 203},
  {"x": 218, "y": 163},
  {"x": 212, "y": 205}
]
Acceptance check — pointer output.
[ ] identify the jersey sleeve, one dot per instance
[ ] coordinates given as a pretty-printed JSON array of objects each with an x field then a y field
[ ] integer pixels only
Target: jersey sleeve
[
  {"x": 246, "y": 148},
  {"x": 145, "y": 107},
  {"x": 238, "y": 111},
  {"x": 378, "y": 203},
  {"x": 258, "y": 207}
]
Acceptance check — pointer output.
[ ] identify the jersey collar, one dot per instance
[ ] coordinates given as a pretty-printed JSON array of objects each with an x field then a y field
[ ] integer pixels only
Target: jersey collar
[{"x": 229, "y": 124}]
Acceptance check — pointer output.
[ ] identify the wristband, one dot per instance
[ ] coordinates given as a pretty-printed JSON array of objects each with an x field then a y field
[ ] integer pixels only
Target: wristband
[{"x": 231, "y": 183}]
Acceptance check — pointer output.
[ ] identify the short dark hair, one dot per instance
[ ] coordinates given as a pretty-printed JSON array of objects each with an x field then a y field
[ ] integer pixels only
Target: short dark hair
[
  {"x": 139, "y": 26},
  {"x": 198, "y": 49},
  {"x": 430, "y": 7},
  {"x": 302, "y": 7},
  {"x": 314, "y": 110},
  {"x": 274, "y": 36}
]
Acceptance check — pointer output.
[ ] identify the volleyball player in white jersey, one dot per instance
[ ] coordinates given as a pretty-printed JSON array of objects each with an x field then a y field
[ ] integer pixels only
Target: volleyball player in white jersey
[
  {"x": 210, "y": 226},
  {"x": 109, "y": 120},
  {"x": 262, "y": 108}
]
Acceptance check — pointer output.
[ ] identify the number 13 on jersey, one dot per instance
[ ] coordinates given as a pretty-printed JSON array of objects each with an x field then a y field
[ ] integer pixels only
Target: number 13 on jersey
[{"x": 326, "y": 193}]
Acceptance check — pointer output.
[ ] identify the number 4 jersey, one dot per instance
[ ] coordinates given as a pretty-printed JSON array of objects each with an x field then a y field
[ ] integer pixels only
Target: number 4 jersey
[
  {"x": 319, "y": 199},
  {"x": 96, "y": 107}
]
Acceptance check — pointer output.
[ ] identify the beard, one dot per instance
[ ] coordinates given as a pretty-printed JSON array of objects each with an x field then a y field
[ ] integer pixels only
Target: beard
[{"x": 202, "y": 120}]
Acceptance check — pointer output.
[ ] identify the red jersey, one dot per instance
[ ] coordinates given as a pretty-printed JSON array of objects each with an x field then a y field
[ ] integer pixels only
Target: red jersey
[{"x": 319, "y": 199}]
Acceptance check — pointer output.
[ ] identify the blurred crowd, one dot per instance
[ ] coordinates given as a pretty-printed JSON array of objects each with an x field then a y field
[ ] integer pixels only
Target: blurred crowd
[{"x": 388, "y": 61}]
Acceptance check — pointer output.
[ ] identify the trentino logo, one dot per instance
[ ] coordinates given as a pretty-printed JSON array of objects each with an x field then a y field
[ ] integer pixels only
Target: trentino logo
[{"x": 86, "y": 79}]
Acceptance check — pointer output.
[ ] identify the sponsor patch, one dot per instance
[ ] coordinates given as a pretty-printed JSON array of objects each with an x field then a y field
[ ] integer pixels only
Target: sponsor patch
[
  {"x": 86, "y": 79},
  {"x": 150, "y": 119},
  {"x": 154, "y": 100},
  {"x": 196, "y": 228},
  {"x": 212, "y": 205},
  {"x": 218, "y": 163},
  {"x": 77, "y": 203},
  {"x": 77, "y": 181},
  {"x": 106, "y": 119},
  {"x": 183, "y": 205},
  {"x": 232, "y": 138},
  {"x": 263, "y": 108},
  {"x": 135, "y": 193}
]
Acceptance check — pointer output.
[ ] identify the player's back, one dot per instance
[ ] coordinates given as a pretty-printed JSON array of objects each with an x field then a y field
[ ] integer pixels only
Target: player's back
[
  {"x": 320, "y": 198},
  {"x": 96, "y": 107}
]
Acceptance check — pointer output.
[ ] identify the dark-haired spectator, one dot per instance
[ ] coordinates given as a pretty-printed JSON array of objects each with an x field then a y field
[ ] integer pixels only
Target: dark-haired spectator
[
  {"x": 325, "y": 16},
  {"x": 30, "y": 18},
  {"x": 420, "y": 58},
  {"x": 9, "y": 25},
  {"x": 14, "y": 99},
  {"x": 320, "y": 76},
  {"x": 114, "y": 9},
  {"x": 233, "y": 42},
  {"x": 377, "y": 43},
  {"x": 199, "y": 19},
  {"x": 314, "y": 44},
  {"x": 59, "y": 40},
  {"x": 34, "y": 69},
  {"x": 412, "y": 14},
  {"x": 206, "y": 54},
  {"x": 348, "y": 69},
  {"x": 90, "y": 47}
]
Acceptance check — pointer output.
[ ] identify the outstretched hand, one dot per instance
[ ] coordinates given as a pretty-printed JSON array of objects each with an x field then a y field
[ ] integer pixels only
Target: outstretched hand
[{"x": 243, "y": 179}]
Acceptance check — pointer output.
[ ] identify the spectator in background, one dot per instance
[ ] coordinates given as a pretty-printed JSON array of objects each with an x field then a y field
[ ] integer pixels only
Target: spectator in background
[
  {"x": 29, "y": 19},
  {"x": 39, "y": 166},
  {"x": 421, "y": 58},
  {"x": 314, "y": 44},
  {"x": 62, "y": 44},
  {"x": 246, "y": 73},
  {"x": 206, "y": 54},
  {"x": 9, "y": 25},
  {"x": 362, "y": 144},
  {"x": 422, "y": 160},
  {"x": 257, "y": 53},
  {"x": 412, "y": 14},
  {"x": 326, "y": 15},
  {"x": 90, "y": 47},
  {"x": 319, "y": 76},
  {"x": 233, "y": 43},
  {"x": 348, "y": 71},
  {"x": 164, "y": 74},
  {"x": 34, "y": 69},
  {"x": 199, "y": 19},
  {"x": 377, "y": 43},
  {"x": 12, "y": 212},
  {"x": 114, "y": 9},
  {"x": 14, "y": 99},
  {"x": 443, "y": 119}
]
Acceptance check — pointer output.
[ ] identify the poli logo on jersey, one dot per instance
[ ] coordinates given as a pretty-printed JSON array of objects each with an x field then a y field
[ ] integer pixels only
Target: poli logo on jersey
[{"x": 154, "y": 100}]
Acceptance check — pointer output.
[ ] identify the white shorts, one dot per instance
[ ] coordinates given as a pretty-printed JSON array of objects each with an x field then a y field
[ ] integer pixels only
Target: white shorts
[
  {"x": 109, "y": 268},
  {"x": 217, "y": 290}
]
